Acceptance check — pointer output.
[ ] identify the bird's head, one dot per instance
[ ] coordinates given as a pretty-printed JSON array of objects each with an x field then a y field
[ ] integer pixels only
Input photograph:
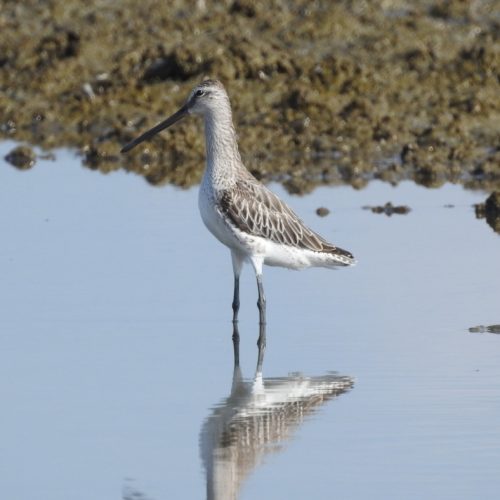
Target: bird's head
[{"x": 205, "y": 98}]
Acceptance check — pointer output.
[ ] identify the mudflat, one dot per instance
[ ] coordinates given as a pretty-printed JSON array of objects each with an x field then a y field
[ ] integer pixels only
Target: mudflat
[{"x": 322, "y": 92}]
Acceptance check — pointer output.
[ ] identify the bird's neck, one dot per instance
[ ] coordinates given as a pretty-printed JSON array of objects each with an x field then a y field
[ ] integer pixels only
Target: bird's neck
[{"x": 223, "y": 157}]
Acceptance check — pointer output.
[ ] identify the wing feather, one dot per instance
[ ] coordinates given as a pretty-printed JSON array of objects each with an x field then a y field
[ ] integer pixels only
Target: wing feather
[{"x": 256, "y": 210}]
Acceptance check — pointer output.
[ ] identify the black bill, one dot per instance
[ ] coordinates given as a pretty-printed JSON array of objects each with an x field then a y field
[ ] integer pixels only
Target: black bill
[{"x": 158, "y": 128}]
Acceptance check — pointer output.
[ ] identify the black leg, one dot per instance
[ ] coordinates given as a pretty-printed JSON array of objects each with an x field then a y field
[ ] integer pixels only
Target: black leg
[
  {"x": 236, "y": 299},
  {"x": 262, "y": 346},
  {"x": 236, "y": 344},
  {"x": 237, "y": 260},
  {"x": 261, "y": 304}
]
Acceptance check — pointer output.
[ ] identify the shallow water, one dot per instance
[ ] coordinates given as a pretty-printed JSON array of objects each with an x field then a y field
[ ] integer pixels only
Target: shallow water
[{"x": 116, "y": 360}]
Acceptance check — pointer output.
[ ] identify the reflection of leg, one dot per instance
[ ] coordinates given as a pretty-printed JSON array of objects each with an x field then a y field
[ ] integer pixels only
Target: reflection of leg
[
  {"x": 236, "y": 344},
  {"x": 262, "y": 346},
  {"x": 237, "y": 264}
]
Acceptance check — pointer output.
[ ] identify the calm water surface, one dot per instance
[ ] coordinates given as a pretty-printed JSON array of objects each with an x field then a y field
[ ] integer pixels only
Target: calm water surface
[{"x": 116, "y": 361}]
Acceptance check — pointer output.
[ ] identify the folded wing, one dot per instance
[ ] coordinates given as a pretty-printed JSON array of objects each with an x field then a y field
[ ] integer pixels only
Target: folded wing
[{"x": 255, "y": 210}]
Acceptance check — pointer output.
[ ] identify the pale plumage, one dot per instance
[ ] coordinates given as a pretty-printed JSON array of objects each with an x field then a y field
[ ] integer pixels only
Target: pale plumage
[
  {"x": 253, "y": 209},
  {"x": 239, "y": 210}
]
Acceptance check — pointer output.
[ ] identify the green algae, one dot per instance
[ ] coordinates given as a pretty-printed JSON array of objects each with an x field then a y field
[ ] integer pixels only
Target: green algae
[{"x": 323, "y": 92}]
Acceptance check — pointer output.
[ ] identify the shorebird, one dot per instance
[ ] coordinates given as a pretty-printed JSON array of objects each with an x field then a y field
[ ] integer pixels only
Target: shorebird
[{"x": 240, "y": 211}]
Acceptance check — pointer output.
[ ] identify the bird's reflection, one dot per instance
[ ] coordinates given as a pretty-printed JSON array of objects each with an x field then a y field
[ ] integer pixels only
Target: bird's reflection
[{"x": 257, "y": 417}]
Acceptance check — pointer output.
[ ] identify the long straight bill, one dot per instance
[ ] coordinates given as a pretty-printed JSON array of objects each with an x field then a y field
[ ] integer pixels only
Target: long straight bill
[{"x": 158, "y": 128}]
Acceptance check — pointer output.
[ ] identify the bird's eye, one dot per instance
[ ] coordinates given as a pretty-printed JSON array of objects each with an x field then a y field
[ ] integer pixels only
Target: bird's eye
[{"x": 199, "y": 93}]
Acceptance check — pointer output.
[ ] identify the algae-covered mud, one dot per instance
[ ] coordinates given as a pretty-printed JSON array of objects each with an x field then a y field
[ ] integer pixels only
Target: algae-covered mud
[{"x": 323, "y": 92}]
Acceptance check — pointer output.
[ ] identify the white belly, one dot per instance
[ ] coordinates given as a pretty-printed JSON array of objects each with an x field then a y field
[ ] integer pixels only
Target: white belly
[{"x": 213, "y": 220}]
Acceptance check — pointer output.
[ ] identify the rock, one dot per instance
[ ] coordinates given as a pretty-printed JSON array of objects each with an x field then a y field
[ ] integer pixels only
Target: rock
[
  {"x": 389, "y": 209},
  {"x": 322, "y": 211},
  {"x": 490, "y": 210},
  {"x": 485, "y": 329},
  {"x": 21, "y": 157},
  {"x": 492, "y": 205}
]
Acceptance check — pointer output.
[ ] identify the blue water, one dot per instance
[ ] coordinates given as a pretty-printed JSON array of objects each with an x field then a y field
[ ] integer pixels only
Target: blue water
[{"x": 116, "y": 353}]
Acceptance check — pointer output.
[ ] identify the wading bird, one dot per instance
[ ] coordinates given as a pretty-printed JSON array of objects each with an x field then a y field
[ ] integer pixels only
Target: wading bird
[{"x": 239, "y": 210}]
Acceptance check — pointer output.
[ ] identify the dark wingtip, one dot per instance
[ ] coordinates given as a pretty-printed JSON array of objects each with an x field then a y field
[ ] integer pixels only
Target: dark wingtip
[
  {"x": 346, "y": 253},
  {"x": 340, "y": 256},
  {"x": 343, "y": 253}
]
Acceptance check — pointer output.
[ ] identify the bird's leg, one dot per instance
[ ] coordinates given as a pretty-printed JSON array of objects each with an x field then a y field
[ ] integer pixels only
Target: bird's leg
[
  {"x": 236, "y": 299},
  {"x": 237, "y": 265},
  {"x": 257, "y": 262},
  {"x": 236, "y": 344},
  {"x": 262, "y": 346},
  {"x": 261, "y": 304}
]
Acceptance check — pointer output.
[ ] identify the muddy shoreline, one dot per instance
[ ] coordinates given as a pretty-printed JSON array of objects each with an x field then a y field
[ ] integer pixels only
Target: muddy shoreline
[{"x": 322, "y": 92}]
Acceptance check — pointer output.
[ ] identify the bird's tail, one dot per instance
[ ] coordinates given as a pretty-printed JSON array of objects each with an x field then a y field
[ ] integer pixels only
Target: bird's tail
[{"x": 341, "y": 257}]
